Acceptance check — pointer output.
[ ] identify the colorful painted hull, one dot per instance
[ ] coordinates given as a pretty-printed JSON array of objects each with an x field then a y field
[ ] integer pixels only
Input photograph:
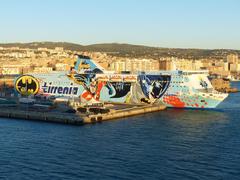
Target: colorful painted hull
[
  {"x": 89, "y": 82},
  {"x": 174, "y": 89}
]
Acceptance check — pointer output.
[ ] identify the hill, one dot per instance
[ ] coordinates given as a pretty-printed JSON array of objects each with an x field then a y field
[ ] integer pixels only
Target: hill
[{"x": 130, "y": 50}]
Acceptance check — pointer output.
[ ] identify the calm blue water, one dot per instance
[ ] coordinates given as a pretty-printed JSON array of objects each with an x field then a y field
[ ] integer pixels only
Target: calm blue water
[{"x": 173, "y": 144}]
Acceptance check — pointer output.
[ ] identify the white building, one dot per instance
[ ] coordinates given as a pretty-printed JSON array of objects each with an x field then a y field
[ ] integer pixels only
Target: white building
[
  {"x": 43, "y": 69},
  {"x": 61, "y": 67},
  {"x": 10, "y": 70}
]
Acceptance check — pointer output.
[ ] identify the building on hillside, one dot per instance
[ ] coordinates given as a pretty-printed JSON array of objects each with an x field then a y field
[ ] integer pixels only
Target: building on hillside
[
  {"x": 62, "y": 67},
  {"x": 42, "y": 69},
  {"x": 232, "y": 58},
  {"x": 10, "y": 71},
  {"x": 166, "y": 65},
  {"x": 118, "y": 66},
  {"x": 59, "y": 49}
]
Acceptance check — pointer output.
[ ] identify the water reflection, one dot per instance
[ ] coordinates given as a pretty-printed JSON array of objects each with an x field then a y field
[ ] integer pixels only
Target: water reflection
[{"x": 195, "y": 117}]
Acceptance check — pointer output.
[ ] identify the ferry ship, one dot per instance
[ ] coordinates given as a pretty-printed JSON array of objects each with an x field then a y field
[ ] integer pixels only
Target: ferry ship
[{"x": 91, "y": 83}]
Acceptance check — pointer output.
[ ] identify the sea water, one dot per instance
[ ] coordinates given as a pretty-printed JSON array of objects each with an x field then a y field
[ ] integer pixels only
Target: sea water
[{"x": 172, "y": 144}]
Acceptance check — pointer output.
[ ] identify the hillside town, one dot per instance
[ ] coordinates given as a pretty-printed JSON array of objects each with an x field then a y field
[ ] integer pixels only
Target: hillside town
[{"x": 15, "y": 60}]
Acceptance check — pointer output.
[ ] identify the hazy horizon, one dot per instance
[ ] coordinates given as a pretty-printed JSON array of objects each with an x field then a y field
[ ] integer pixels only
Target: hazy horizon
[
  {"x": 168, "y": 24},
  {"x": 119, "y": 43}
]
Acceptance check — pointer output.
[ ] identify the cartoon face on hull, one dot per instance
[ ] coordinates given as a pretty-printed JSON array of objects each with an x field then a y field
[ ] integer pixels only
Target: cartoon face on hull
[
  {"x": 154, "y": 86},
  {"x": 95, "y": 88}
]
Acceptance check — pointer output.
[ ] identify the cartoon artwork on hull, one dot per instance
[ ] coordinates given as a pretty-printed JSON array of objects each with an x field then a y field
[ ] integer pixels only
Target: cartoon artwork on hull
[
  {"x": 174, "y": 101},
  {"x": 89, "y": 82},
  {"x": 101, "y": 90},
  {"x": 148, "y": 89},
  {"x": 118, "y": 89},
  {"x": 91, "y": 87},
  {"x": 153, "y": 86}
]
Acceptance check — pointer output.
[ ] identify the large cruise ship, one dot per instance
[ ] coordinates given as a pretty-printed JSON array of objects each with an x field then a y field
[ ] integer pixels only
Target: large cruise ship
[{"x": 89, "y": 82}]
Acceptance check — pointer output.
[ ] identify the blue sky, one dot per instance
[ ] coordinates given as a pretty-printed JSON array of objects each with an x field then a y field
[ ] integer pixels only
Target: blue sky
[{"x": 163, "y": 23}]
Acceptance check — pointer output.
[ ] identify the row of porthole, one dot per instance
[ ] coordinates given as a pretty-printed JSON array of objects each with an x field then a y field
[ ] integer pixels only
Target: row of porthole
[
  {"x": 177, "y": 82},
  {"x": 178, "y": 86}
]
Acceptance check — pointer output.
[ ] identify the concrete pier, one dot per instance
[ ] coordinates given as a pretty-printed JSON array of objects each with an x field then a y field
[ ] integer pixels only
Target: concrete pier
[{"x": 78, "y": 118}]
